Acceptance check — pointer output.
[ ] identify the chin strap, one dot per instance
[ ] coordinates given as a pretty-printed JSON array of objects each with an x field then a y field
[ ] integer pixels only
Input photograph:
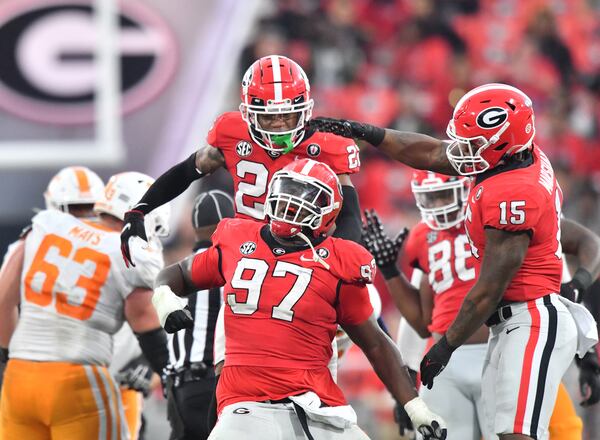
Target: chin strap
[{"x": 316, "y": 257}]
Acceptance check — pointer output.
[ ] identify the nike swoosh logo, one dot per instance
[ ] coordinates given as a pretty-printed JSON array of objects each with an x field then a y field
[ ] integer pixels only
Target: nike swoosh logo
[
  {"x": 126, "y": 227},
  {"x": 303, "y": 258},
  {"x": 140, "y": 204},
  {"x": 511, "y": 329}
]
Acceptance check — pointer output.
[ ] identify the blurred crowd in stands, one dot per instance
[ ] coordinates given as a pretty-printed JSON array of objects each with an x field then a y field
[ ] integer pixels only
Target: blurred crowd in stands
[{"x": 404, "y": 64}]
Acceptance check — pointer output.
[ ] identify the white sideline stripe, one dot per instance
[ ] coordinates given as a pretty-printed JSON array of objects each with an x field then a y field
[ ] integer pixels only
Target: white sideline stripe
[
  {"x": 276, "y": 67},
  {"x": 99, "y": 403}
]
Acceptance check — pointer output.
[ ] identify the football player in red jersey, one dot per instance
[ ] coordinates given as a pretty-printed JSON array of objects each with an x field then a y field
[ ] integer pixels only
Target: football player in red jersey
[
  {"x": 266, "y": 134},
  {"x": 513, "y": 225},
  {"x": 287, "y": 287},
  {"x": 438, "y": 246}
]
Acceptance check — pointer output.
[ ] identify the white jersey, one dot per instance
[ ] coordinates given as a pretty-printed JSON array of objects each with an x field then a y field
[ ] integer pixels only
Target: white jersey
[{"x": 73, "y": 288}]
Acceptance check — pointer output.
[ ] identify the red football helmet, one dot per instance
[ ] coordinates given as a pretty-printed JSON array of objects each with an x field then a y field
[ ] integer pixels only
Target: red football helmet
[
  {"x": 305, "y": 193},
  {"x": 276, "y": 85},
  {"x": 490, "y": 122},
  {"x": 441, "y": 199}
]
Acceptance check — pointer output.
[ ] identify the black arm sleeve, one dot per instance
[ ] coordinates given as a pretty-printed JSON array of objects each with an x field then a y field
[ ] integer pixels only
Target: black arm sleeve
[
  {"x": 154, "y": 346},
  {"x": 169, "y": 185},
  {"x": 348, "y": 223}
]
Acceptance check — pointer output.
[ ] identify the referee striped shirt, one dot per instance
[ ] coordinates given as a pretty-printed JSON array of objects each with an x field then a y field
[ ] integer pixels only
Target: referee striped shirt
[{"x": 197, "y": 344}]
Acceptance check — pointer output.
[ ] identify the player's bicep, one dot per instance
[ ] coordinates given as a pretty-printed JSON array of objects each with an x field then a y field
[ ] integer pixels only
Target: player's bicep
[
  {"x": 504, "y": 254},
  {"x": 365, "y": 334},
  {"x": 353, "y": 304},
  {"x": 205, "y": 270},
  {"x": 209, "y": 159}
]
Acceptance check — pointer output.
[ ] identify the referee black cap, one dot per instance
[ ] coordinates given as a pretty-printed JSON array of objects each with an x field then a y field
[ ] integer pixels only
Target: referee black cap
[{"x": 210, "y": 207}]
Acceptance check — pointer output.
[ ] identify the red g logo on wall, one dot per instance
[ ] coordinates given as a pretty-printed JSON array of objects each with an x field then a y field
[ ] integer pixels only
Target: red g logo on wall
[{"x": 49, "y": 72}]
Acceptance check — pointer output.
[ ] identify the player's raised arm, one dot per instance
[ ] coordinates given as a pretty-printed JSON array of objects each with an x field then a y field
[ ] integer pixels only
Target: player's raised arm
[
  {"x": 579, "y": 241},
  {"x": 168, "y": 186},
  {"x": 414, "y": 149},
  {"x": 198, "y": 272},
  {"x": 385, "y": 250}
]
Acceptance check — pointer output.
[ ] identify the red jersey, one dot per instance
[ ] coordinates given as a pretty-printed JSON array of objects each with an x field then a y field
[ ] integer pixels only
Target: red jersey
[
  {"x": 282, "y": 309},
  {"x": 252, "y": 167},
  {"x": 524, "y": 198},
  {"x": 445, "y": 256}
]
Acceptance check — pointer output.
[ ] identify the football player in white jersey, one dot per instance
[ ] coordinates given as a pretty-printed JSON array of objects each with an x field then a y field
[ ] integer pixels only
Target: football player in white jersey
[{"x": 75, "y": 294}]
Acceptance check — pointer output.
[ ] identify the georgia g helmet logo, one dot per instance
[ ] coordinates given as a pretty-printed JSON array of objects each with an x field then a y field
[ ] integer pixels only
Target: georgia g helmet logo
[{"x": 492, "y": 117}]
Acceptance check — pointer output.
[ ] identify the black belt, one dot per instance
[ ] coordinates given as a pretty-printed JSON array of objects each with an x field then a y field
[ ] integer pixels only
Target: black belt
[
  {"x": 500, "y": 315},
  {"x": 503, "y": 312},
  {"x": 299, "y": 412},
  {"x": 190, "y": 373}
]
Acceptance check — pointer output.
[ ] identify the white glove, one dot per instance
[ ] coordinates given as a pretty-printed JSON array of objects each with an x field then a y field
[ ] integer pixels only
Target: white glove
[
  {"x": 166, "y": 302},
  {"x": 429, "y": 425}
]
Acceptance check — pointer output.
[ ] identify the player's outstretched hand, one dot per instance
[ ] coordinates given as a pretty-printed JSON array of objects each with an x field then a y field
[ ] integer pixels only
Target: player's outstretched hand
[
  {"x": 428, "y": 424},
  {"x": 435, "y": 360},
  {"x": 383, "y": 248},
  {"x": 172, "y": 310},
  {"x": 589, "y": 378},
  {"x": 133, "y": 227},
  {"x": 349, "y": 129}
]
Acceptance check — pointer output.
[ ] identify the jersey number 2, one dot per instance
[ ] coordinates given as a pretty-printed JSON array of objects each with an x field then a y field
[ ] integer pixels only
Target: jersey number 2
[
  {"x": 246, "y": 169},
  {"x": 253, "y": 287},
  {"x": 90, "y": 285}
]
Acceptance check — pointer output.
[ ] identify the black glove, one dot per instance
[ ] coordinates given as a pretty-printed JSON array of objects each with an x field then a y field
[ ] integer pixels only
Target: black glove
[
  {"x": 435, "y": 361},
  {"x": 575, "y": 289},
  {"x": 178, "y": 320},
  {"x": 133, "y": 227},
  {"x": 384, "y": 249},
  {"x": 136, "y": 375},
  {"x": 403, "y": 420},
  {"x": 589, "y": 378},
  {"x": 349, "y": 129}
]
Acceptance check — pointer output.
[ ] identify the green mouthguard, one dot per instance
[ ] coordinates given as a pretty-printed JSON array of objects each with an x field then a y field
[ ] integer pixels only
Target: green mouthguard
[{"x": 283, "y": 140}]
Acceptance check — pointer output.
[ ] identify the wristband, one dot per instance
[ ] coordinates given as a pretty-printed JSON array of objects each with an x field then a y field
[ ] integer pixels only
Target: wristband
[
  {"x": 582, "y": 280},
  {"x": 374, "y": 135},
  {"x": 389, "y": 271},
  {"x": 3, "y": 354}
]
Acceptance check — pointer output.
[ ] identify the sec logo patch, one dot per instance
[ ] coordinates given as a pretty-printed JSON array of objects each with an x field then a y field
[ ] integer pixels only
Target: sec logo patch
[
  {"x": 243, "y": 148},
  {"x": 247, "y": 248}
]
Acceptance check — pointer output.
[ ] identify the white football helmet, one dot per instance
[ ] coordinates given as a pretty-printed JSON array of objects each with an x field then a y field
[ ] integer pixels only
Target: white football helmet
[
  {"x": 123, "y": 191},
  {"x": 73, "y": 186}
]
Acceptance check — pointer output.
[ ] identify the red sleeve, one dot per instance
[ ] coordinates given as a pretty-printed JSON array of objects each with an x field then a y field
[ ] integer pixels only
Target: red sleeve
[
  {"x": 511, "y": 209},
  {"x": 206, "y": 269},
  {"x": 213, "y": 137},
  {"x": 354, "y": 264},
  {"x": 354, "y": 306}
]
